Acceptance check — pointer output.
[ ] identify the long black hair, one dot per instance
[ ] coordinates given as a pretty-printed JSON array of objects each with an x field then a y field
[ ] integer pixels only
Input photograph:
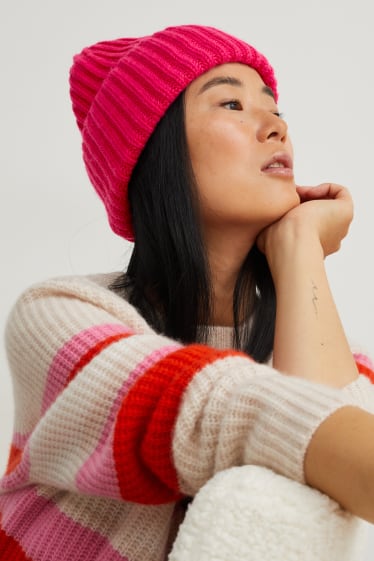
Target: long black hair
[{"x": 168, "y": 278}]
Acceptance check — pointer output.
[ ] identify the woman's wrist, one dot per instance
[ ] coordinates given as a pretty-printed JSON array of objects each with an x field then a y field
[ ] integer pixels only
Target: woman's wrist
[{"x": 292, "y": 246}]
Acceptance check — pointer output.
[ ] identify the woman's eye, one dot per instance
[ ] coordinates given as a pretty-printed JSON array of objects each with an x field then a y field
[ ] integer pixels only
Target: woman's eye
[
  {"x": 233, "y": 105},
  {"x": 280, "y": 115}
]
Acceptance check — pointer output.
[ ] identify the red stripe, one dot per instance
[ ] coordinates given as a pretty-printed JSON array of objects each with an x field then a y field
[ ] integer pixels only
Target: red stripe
[
  {"x": 15, "y": 457},
  {"x": 94, "y": 351},
  {"x": 145, "y": 422},
  {"x": 10, "y": 550},
  {"x": 363, "y": 369}
]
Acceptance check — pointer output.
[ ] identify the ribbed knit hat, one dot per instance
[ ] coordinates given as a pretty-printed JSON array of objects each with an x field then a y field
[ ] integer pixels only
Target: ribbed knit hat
[{"x": 120, "y": 89}]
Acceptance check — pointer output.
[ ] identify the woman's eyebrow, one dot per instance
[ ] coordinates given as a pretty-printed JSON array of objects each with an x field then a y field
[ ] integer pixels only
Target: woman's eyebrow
[
  {"x": 231, "y": 81},
  {"x": 268, "y": 91},
  {"x": 218, "y": 81}
]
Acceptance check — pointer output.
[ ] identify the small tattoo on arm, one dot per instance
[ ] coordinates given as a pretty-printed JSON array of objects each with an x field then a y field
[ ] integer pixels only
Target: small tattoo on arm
[{"x": 315, "y": 297}]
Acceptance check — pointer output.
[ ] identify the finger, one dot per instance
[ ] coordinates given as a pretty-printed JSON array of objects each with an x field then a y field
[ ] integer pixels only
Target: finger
[{"x": 323, "y": 191}]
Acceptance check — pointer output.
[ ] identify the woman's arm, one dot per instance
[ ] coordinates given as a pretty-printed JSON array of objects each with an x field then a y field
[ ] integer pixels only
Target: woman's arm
[
  {"x": 340, "y": 460},
  {"x": 309, "y": 338},
  {"x": 310, "y": 342},
  {"x": 107, "y": 407}
]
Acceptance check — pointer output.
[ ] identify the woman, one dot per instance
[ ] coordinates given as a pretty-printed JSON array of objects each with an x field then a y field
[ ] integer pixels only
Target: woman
[{"x": 133, "y": 390}]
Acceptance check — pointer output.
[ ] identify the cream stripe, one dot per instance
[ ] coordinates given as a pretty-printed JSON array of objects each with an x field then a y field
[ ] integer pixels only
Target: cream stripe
[
  {"x": 118, "y": 521},
  {"x": 97, "y": 387},
  {"x": 247, "y": 413}
]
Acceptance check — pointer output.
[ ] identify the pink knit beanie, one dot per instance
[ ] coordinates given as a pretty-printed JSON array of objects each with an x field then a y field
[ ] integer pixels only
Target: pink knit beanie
[{"x": 120, "y": 89}]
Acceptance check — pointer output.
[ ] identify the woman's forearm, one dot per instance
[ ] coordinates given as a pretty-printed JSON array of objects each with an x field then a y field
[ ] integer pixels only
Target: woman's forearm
[
  {"x": 309, "y": 338},
  {"x": 340, "y": 460}
]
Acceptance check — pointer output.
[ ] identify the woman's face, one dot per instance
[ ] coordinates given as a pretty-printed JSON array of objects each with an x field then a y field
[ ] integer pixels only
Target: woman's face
[{"x": 239, "y": 148}]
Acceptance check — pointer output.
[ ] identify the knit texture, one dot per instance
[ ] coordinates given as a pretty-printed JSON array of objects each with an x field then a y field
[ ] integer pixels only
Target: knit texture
[
  {"x": 120, "y": 89},
  {"x": 115, "y": 424}
]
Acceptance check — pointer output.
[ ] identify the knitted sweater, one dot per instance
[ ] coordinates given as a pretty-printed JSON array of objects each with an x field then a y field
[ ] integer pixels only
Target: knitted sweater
[{"x": 115, "y": 425}]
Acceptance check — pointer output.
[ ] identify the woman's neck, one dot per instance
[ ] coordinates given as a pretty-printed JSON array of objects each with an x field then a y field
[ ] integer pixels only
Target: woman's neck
[
  {"x": 226, "y": 258},
  {"x": 222, "y": 302}
]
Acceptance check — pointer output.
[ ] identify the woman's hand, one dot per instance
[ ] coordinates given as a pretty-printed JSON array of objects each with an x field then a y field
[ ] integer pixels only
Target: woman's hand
[
  {"x": 331, "y": 206},
  {"x": 324, "y": 214}
]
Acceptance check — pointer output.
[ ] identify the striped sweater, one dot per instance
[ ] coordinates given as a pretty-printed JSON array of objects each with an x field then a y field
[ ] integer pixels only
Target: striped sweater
[{"x": 115, "y": 425}]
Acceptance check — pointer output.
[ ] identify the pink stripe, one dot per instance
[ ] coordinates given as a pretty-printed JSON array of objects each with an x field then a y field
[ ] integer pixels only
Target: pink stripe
[
  {"x": 99, "y": 470},
  {"x": 20, "y": 440},
  {"x": 363, "y": 359},
  {"x": 68, "y": 356},
  {"x": 44, "y": 532}
]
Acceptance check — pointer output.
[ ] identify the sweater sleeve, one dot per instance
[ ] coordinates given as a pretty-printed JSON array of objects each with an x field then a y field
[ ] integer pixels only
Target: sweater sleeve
[{"x": 107, "y": 407}]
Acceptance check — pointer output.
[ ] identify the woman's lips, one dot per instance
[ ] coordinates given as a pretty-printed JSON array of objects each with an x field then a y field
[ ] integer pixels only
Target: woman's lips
[
  {"x": 280, "y": 172},
  {"x": 280, "y": 164}
]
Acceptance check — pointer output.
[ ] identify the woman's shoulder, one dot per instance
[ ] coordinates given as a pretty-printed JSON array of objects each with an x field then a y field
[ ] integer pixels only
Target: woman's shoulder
[
  {"x": 85, "y": 287},
  {"x": 91, "y": 291},
  {"x": 70, "y": 283}
]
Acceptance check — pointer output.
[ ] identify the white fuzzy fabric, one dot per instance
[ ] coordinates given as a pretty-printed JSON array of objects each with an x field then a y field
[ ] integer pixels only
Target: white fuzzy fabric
[{"x": 250, "y": 513}]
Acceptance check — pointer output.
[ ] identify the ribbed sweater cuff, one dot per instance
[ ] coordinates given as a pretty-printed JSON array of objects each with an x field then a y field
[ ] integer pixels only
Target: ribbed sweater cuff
[
  {"x": 237, "y": 412},
  {"x": 292, "y": 410}
]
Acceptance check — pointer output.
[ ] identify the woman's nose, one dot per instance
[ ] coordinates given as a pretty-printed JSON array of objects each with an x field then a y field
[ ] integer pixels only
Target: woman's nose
[{"x": 272, "y": 128}]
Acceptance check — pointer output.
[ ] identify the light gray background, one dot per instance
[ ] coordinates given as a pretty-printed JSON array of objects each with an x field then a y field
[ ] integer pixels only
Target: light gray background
[{"x": 52, "y": 222}]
